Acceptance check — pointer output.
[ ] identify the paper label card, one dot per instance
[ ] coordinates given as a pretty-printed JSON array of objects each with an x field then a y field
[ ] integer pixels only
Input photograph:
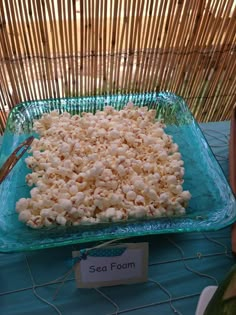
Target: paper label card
[{"x": 112, "y": 265}]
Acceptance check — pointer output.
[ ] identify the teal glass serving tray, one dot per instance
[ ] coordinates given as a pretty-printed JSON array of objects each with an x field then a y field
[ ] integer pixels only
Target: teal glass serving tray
[{"x": 211, "y": 207}]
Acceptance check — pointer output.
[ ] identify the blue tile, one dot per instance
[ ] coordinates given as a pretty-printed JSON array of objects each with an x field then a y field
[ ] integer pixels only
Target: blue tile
[
  {"x": 73, "y": 301},
  {"x": 23, "y": 303},
  {"x": 186, "y": 306},
  {"x": 161, "y": 309},
  {"x": 14, "y": 272},
  {"x": 135, "y": 295},
  {"x": 47, "y": 265}
]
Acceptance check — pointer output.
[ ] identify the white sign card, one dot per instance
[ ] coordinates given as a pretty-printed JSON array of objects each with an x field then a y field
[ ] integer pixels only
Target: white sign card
[{"x": 112, "y": 265}]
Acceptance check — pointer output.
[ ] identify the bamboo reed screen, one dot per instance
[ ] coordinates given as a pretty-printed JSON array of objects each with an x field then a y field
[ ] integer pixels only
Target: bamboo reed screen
[{"x": 63, "y": 48}]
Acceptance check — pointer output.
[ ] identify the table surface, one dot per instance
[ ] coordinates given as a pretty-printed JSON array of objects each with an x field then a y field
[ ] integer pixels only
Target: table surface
[{"x": 180, "y": 267}]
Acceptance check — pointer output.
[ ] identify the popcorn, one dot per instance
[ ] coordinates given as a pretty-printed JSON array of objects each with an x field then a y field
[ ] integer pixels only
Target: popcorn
[
  {"x": 65, "y": 204},
  {"x": 186, "y": 195},
  {"x": 107, "y": 167},
  {"x": 171, "y": 180},
  {"x": 131, "y": 195},
  {"x": 25, "y": 215},
  {"x": 61, "y": 220},
  {"x": 139, "y": 200},
  {"x": 22, "y": 204},
  {"x": 45, "y": 213}
]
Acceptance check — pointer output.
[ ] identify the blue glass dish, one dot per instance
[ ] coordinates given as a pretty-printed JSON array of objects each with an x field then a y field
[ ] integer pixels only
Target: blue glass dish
[{"x": 212, "y": 205}]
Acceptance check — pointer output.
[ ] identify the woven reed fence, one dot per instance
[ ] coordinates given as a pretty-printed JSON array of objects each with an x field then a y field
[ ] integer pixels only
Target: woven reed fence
[{"x": 63, "y": 48}]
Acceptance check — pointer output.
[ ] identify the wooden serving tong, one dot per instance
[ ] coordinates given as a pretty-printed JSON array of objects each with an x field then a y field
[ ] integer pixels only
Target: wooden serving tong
[
  {"x": 232, "y": 169},
  {"x": 14, "y": 158}
]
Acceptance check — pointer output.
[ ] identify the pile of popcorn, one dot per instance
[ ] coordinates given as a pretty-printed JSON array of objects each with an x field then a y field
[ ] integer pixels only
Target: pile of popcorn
[{"x": 107, "y": 167}]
